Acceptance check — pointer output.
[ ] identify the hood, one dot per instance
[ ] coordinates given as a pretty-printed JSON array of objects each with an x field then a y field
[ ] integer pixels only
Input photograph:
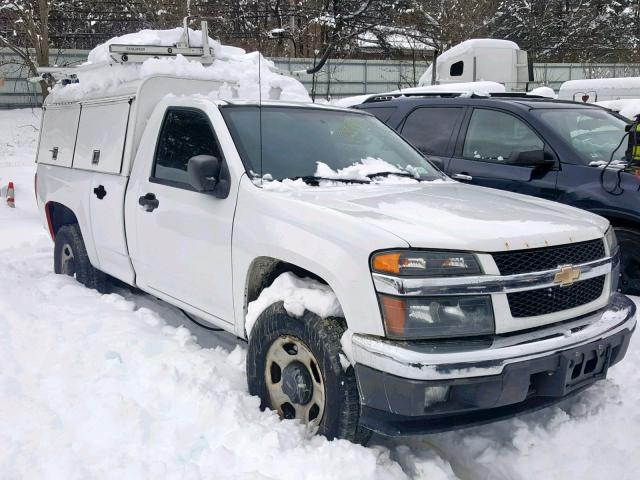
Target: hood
[{"x": 455, "y": 216}]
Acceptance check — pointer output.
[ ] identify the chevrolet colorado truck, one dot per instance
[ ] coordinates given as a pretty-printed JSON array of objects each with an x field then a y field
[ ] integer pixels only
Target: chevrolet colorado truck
[{"x": 458, "y": 304}]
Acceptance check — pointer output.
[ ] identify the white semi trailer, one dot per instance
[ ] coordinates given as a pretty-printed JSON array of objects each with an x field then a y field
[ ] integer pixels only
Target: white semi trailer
[{"x": 482, "y": 59}]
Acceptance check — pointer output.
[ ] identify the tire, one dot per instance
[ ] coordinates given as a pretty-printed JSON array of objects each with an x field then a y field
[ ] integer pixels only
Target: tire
[
  {"x": 276, "y": 331},
  {"x": 70, "y": 258},
  {"x": 629, "y": 241}
]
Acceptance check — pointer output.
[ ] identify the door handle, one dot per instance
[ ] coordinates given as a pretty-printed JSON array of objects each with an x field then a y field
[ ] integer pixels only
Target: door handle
[
  {"x": 462, "y": 176},
  {"x": 149, "y": 202}
]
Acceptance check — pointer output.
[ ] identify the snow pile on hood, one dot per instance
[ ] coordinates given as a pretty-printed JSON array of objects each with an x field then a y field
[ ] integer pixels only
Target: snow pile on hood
[
  {"x": 547, "y": 92},
  {"x": 629, "y": 107},
  {"x": 358, "y": 172},
  {"x": 298, "y": 295},
  {"x": 361, "y": 171},
  {"x": 232, "y": 66}
]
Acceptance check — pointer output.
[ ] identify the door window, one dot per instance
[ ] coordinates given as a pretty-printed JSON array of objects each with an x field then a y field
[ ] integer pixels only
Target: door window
[
  {"x": 430, "y": 129},
  {"x": 494, "y": 136},
  {"x": 185, "y": 134},
  {"x": 457, "y": 69}
]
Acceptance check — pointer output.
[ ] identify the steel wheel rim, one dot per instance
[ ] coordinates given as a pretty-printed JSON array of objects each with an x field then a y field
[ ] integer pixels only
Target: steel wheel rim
[
  {"x": 288, "y": 352},
  {"x": 67, "y": 260}
]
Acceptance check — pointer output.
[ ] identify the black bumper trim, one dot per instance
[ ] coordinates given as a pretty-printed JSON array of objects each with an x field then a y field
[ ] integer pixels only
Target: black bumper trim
[{"x": 393, "y": 405}]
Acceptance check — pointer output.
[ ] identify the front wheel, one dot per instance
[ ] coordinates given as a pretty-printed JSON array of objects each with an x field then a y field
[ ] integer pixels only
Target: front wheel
[
  {"x": 70, "y": 258},
  {"x": 293, "y": 365}
]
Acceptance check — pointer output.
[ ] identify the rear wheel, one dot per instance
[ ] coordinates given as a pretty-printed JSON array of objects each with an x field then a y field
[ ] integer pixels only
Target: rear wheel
[
  {"x": 70, "y": 258},
  {"x": 629, "y": 241},
  {"x": 293, "y": 365}
]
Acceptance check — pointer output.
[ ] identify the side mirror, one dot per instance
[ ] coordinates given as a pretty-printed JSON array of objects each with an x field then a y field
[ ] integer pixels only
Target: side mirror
[
  {"x": 204, "y": 172},
  {"x": 532, "y": 158}
]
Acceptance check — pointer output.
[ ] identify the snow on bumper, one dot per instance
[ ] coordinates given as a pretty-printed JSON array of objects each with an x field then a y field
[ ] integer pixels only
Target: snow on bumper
[{"x": 433, "y": 361}]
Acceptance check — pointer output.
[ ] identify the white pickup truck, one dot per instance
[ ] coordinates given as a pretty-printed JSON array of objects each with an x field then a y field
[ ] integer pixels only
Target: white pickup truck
[{"x": 456, "y": 304}]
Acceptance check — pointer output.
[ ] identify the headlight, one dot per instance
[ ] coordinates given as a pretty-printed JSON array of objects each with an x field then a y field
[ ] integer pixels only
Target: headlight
[
  {"x": 433, "y": 317},
  {"x": 425, "y": 263},
  {"x": 612, "y": 241}
]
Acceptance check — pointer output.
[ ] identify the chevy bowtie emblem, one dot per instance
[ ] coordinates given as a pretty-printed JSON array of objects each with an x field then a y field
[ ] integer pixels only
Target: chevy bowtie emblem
[{"x": 567, "y": 275}]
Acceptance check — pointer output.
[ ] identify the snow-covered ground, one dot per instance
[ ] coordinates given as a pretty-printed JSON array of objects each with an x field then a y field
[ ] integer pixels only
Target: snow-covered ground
[{"x": 123, "y": 386}]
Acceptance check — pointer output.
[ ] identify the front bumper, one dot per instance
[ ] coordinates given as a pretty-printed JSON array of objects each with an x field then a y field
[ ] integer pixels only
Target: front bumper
[{"x": 488, "y": 379}]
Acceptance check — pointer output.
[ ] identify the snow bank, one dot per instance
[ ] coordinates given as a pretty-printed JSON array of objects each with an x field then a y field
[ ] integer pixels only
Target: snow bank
[
  {"x": 298, "y": 295},
  {"x": 232, "y": 66},
  {"x": 543, "y": 92},
  {"x": 629, "y": 107}
]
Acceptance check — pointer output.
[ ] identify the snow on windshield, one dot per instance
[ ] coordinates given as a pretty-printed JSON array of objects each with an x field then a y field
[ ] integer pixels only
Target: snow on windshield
[
  {"x": 363, "y": 172},
  {"x": 358, "y": 171},
  {"x": 232, "y": 66}
]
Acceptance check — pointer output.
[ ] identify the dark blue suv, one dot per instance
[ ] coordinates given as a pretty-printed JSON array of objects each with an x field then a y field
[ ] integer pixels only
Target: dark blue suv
[{"x": 536, "y": 146}]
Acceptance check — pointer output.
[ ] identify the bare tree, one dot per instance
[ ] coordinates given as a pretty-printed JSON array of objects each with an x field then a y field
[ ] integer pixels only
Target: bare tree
[{"x": 30, "y": 20}]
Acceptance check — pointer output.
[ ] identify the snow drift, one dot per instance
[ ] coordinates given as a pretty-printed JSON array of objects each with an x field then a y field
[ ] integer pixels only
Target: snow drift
[{"x": 233, "y": 66}]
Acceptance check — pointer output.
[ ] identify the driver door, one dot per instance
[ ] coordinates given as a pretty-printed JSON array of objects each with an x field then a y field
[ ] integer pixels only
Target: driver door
[
  {"x": 486, "y": 155},
  {"x": 183, "y": 237}
]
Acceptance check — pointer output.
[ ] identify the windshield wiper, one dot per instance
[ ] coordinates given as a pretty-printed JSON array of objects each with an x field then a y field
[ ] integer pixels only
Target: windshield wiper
[
  {"x": 314, "y": 180},
  {"x": 388, "y": 174}
]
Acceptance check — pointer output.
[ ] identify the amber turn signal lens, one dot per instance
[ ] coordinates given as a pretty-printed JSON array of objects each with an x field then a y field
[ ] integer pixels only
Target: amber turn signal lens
[
  {"x": 387, "y": 262},
  {"x": 395, "y": 314}
]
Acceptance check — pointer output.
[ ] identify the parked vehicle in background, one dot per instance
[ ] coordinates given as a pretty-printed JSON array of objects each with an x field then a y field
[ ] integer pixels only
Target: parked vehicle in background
[
  {"x": 482, "y": 59},
  {"x": 599, "y": 90},
  {"x": 547, "y": 148}
]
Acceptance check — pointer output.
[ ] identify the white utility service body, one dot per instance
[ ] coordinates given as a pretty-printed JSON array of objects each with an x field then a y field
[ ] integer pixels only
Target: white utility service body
[{"x": 209, "y": 255}]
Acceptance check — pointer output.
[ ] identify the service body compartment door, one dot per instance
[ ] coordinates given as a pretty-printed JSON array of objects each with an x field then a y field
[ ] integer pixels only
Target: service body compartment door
[
  {"x": 182, "y": 246},
  {"x": 59, "y": 128},
  {"x": 106, "y": 200},
  {"x": 101, "y": 136}
]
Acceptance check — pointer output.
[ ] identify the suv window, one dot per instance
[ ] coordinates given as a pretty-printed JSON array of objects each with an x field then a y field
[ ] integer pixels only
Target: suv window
[
  {"x": 430, "y": 129},
  {"x": 493, "y": 136},
  {"x": 185, "y": 133}
]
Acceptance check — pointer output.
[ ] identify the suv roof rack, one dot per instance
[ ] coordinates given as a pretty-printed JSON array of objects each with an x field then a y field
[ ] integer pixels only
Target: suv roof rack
[
  {"x": 468, "y": 94},
  {"x": 123, "y": 54}
]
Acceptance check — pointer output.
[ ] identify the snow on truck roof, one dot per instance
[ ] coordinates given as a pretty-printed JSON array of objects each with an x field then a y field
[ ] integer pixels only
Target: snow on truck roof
[{"x": 233, "y": 73}]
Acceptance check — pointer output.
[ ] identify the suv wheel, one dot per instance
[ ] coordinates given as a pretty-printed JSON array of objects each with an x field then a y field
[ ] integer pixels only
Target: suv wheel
[
  {"x": 629, "y": 241},
  {"x": 293, "y": 365},
  {"x": 70, "y": 258}
]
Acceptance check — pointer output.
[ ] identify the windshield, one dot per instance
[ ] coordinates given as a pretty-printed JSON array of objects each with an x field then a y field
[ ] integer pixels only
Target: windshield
[
  {"x": 592, "y": 132},
  {"x": 311, "y": 143}
]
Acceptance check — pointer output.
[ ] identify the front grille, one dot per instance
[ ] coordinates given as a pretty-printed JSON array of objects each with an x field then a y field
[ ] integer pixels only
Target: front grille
[
  {"x": 531, "y": 303},
  {"x": 539, "y": 259}
]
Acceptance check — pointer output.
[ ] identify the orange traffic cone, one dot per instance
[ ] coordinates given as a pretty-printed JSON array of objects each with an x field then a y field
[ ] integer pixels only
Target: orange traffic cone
[{"x": 11, "y": 201}]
